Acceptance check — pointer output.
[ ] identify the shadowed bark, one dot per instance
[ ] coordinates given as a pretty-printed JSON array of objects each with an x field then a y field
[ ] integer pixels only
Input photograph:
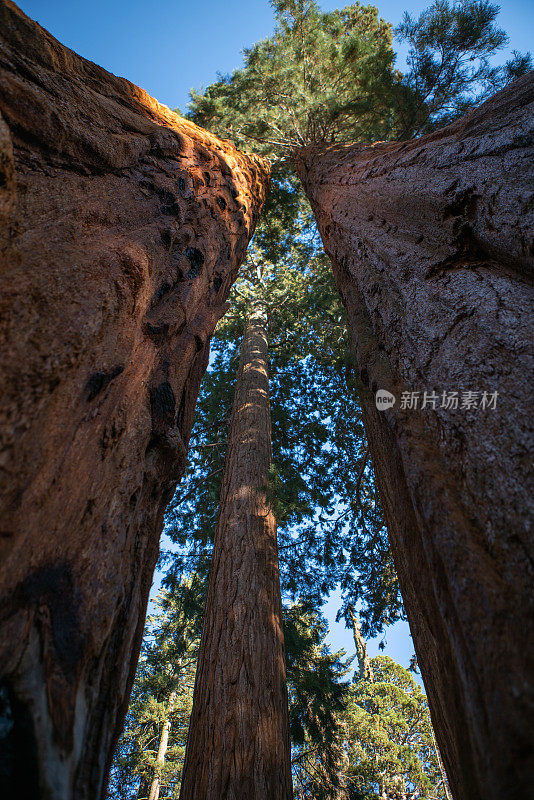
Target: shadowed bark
[
  {"x": 121, "y": 230},
  {"x": 238, "y": 742},
  {"x": 432, "y": 251}
]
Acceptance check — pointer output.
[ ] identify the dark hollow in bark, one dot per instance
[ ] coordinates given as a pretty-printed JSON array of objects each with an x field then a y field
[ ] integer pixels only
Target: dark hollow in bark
[
  {"x": 117, "y": 259},
  {"x": 431, "y": 246},
  {"x": 238, "y": 742}
]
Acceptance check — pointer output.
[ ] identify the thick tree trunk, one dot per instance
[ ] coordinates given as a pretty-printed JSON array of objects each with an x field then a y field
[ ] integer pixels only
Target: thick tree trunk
[
  {"x": 238, "y": 743},
  {"x": 122, "y": 229},
  {"x": 431, "y": 245}
]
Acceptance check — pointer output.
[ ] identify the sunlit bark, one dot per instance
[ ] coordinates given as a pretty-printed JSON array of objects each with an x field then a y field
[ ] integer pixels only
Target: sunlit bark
[
  {"x": 238, "y": 743},
  {"x": 122, "y": 227}
]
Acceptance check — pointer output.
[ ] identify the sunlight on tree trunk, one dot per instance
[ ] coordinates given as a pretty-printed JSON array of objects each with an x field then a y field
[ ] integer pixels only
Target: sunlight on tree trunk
[
  {"x": 238, "y": 743},
  {"x": 162, "y": 750},
  {"x": 365, "y": 669},
  {"x": 118, "y": 254}
]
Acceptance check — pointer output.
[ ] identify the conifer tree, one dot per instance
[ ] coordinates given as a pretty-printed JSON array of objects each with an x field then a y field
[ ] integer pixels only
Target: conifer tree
[
  {"x": 148, "y": 761},
  {"x": 391, "y": 750},
  {"x": 318, "y": 704},
  {"x": 396, "y": 229},
  {"x": 238, "y": 742},
  {"x": 451, "y": 45},
  {"x": 326, "y": 77}
]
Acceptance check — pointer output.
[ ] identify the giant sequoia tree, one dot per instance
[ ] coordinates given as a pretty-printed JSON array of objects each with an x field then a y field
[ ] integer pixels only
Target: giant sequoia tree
[
  {"x": 123, "y": 226},
  {"x": 238, "y": 741},
  {"x": 242, "y": 626},
  {"x": 431, "y": 246}
]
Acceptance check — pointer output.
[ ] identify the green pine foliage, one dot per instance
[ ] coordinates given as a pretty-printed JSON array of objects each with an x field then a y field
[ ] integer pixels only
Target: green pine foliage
[
  {"x": 390, "y": 740},
  {"x": 163, "y": 691},
  {"x": 451, "y": 46},
  {"x": 324, "y": 78},
  {"x": 318, "y": 699},
  {"x": 330, "y": 526},
  {"x": 320, "y": 77}
]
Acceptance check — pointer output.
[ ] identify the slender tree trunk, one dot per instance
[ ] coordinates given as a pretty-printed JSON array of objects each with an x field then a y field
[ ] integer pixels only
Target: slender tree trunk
[
  {"x": 431, "y": 246},
  {"x": 162, "y": 750},
  {"x": 122, "y": 227},
  {"x": 365, "y": 669},
  {"x": 442, "y": 772},
  {"x": 238, "y": 743}
]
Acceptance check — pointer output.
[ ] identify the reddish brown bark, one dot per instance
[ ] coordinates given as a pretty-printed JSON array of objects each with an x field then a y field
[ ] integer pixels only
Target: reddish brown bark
[
  {"x": 122, "y": 229},
  {"x": 431, "y": 245},
  {"x": 238, "y": 742}
]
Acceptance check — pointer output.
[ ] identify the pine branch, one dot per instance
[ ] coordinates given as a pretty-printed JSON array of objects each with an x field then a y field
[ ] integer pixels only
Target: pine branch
[{"x": 356, "y": 503}]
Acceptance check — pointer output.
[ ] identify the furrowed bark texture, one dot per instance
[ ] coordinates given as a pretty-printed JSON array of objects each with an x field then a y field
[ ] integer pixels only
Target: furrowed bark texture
[
  {"x": 123, "y": 226},
  {"x": 431, "y": 246},
  {"x": 238, "y": 742}
]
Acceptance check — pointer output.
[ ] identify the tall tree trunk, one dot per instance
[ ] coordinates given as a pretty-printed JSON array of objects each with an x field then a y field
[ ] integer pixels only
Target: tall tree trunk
[
  {"x": 238, "y": 743},
  {"x": 162, "y": 750},
  {"x": 431, "y": 246},
  {"x": 444, "y": 779},
  {"x": 122, "y": 228},
  {"x": 365, "y": 669}
]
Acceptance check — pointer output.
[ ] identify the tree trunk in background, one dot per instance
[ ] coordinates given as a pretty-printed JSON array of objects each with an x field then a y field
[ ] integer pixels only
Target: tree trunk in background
[
  {"x": 431, "y": 245},
  {"x": 365, "y": 669},
  {"x": 444, "y": 779},
  {"x": 143, "y": 790},
  {"x": 238, "y": 742},
  {"x": 162, "y": 749},
  {"x": 123, "y": 226}
]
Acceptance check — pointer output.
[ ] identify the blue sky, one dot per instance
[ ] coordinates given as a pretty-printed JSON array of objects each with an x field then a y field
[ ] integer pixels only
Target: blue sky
[{"x": 169, "y": 46}]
